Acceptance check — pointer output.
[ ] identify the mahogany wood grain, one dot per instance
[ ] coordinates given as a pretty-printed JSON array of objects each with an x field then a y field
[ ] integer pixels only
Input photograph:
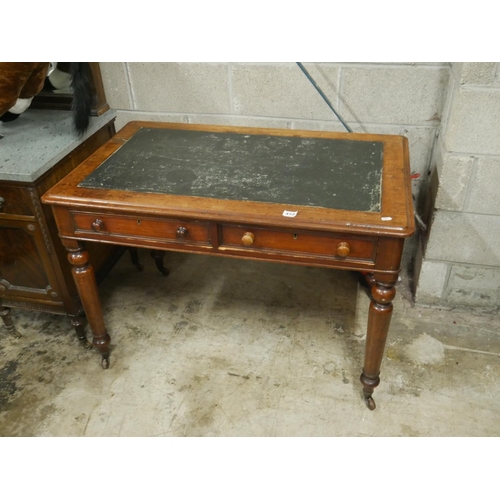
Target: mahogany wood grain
[
  {"x": 86, "y": 283},
  {"x": 299, "y": 242},
  {"x": 371, "y": 242},
  {"x": 146, "y": 227},
  {"x": 379, "y": 318},
  {"x": 394, "y": 219},
  {"x": 16, "y": 201},
  {"x": 99, "y": 104}
]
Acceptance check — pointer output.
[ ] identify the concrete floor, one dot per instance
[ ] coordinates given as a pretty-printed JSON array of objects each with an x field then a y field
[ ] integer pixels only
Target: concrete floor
[{"x": 224, "y": 347}]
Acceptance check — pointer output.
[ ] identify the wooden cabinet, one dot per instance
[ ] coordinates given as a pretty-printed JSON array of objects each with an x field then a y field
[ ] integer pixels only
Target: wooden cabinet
[{"x": 34, "y": 270}]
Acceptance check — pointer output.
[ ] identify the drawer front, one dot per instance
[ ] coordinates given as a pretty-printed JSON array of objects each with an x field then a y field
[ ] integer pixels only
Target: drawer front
[
  {"x": 334, "y": 246},
  {"x": 15, "y": 201},
  {"x": 168, "y": 230}
]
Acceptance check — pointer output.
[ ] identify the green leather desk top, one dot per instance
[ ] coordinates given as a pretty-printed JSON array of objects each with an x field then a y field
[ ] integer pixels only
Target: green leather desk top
[{"x": 330, "y": 173}]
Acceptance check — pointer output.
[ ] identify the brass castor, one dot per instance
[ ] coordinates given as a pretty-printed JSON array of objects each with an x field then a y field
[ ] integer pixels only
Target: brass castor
[
  {"x": 370, "y": 403},
  {"x": 79, "y": 323},
  {"x": 7, "y": 321},
  {"x": 105, "y": 361}
]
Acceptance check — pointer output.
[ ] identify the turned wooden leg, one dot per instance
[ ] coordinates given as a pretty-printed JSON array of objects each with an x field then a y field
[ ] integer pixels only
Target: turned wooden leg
[
  {"x": 370, "y": 280},
  {"x": 366, "y": 280},
  {"x": 7, "y": 321},
  {"x": 83, "y": 273},
  {"x": 134, "y": 256},
  {"x": 79, "y": 322},
  {"x": 158, "y": 255},
  {"x": 379, "y": 318}
]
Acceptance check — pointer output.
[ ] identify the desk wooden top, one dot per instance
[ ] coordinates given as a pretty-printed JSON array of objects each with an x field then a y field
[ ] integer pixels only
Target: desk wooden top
[{"x": 334, "y": 181}]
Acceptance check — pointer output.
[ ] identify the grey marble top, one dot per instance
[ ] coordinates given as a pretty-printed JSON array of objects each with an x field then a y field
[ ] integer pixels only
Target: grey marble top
[{"x": 37, "y": 140}]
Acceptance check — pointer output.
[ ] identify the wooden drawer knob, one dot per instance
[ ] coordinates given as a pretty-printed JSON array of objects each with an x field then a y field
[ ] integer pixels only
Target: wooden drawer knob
[
  {"x": 98, "y": 225},
  {"x": 248, "y": 239},
  {"x": 2, "y": 201},
  {"x": 181, "y": 233},
  {"x": 343, "y": 249}
]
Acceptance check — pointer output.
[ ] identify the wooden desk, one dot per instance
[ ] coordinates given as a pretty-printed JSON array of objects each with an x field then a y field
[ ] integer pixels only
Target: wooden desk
[{"x": 298, "y": 197}]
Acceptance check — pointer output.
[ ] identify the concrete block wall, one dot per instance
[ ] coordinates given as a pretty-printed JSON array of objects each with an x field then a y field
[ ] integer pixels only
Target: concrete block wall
[
  {"x": 387, "y": 98},
  {"x": 403, "y": 98},
  {"x": 459, "y": 263}
]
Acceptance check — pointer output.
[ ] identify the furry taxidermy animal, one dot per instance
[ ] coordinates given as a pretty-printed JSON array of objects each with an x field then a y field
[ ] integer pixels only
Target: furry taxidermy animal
[
  {"x": 20, "y": 82},
  {"x": 58, "y": 79}
]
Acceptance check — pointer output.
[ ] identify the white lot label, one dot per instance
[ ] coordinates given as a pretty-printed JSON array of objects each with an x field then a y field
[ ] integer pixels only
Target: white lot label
[{"x": 287, "y": 213}]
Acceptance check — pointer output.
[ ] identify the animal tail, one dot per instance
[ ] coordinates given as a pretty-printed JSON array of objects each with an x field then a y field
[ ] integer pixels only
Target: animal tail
[{"x": 82, "y": 96}]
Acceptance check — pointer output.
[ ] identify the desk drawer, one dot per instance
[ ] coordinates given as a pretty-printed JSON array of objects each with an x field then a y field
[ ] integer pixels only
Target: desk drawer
[
  {"x": 141, "y": 228},
  {"x": 329, "y": 245},
  {"x": 15, "y": 201}
]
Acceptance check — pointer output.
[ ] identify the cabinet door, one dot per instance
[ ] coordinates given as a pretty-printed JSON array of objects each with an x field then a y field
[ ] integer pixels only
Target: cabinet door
[{"x": 25, "y": 269}]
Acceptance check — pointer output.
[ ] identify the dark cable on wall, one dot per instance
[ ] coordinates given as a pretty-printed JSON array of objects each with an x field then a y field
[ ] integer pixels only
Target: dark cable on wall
[{"x": 321, "y": 93}]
